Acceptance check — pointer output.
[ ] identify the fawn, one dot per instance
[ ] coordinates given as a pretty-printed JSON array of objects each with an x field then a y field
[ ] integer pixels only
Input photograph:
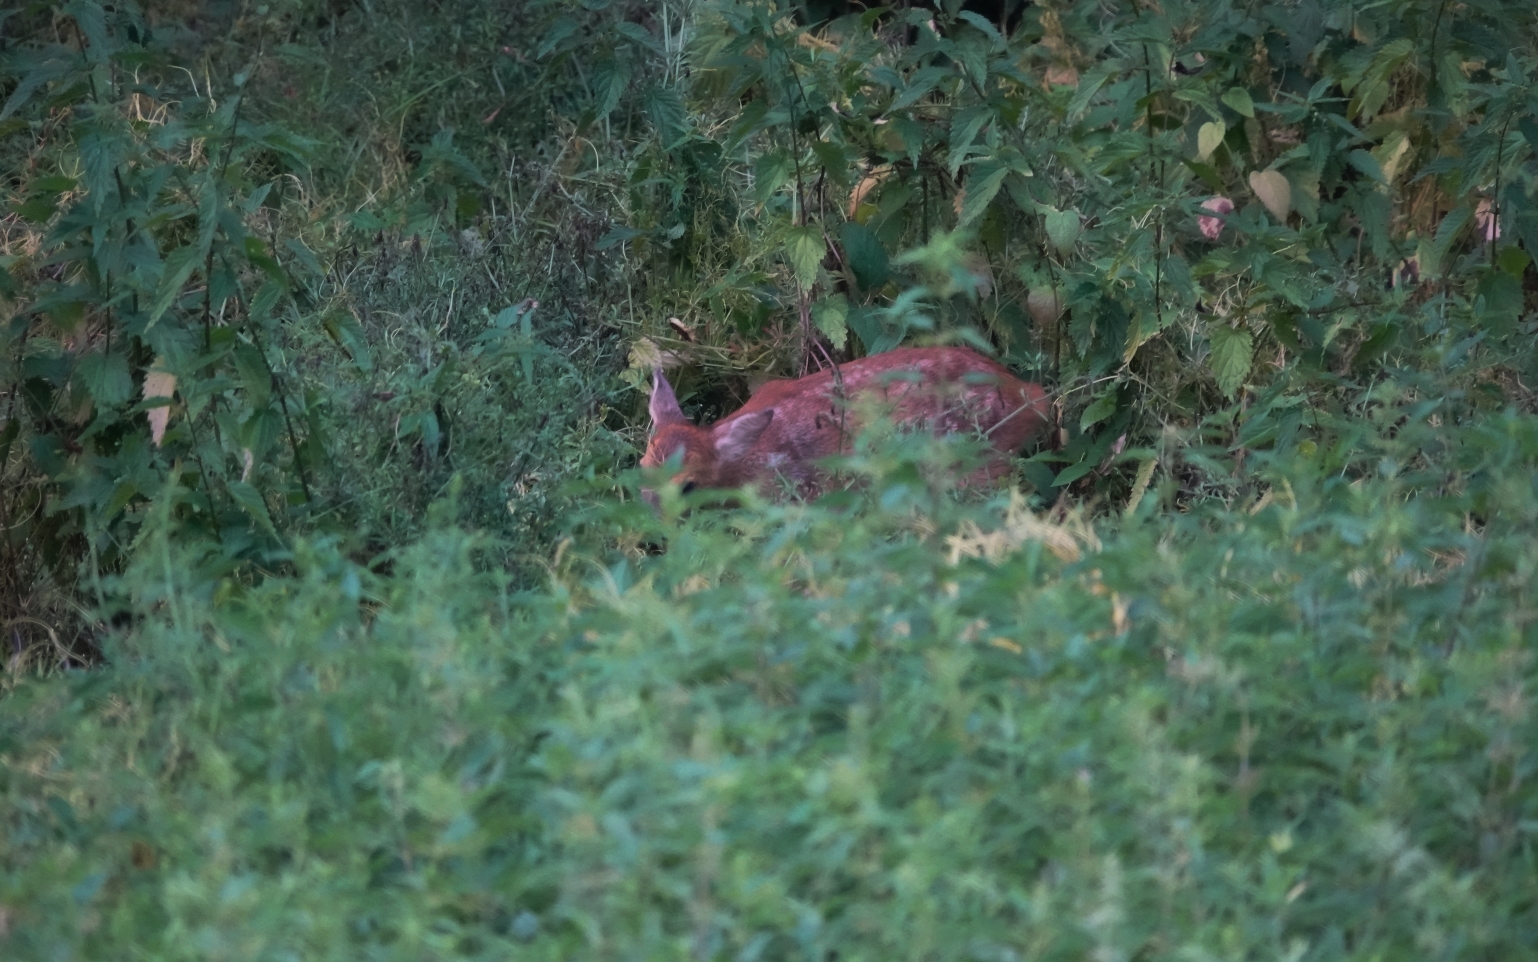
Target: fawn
[{"x": 788, "y": 426}]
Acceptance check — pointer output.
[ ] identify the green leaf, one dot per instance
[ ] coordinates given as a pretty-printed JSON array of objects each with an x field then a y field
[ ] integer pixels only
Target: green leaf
[
  {"x": 251, "y": 502},
  {"x": 106, "y": 377},
  {"x": 346, "y": 331},
  {"x": 1232, "y": 348},
  {"x": 610, "y": 79},
  {"x": 1239, "y": 100},
  {"x": 558, "y": 35},
  {"x": 1072, "y": 473},
  {"x": 1433, "y": 253},
  {"x": 996, "y": 39},
  {"x": 770, "y": 172},
  {"x": 831, "y": 318},
  {"x": 981, "y": 188},
  {"x": 964, "y": 127},
  {"x": 921, "y": 83},
  {"x": 666, "y": 111},
  {"x": 41, "y": 75},
  {"x": 1208, "y": 137},
  {"x": 253, "y": 373},
  {"x": 834, "y": 159},
  {"x": 1063, "y": 228},
  {"x": 178, "y": 267},
  {"x": 865, "y": 255},
  {"x": 804, "y": 249},
  {"x": 1104, "y": 407}
]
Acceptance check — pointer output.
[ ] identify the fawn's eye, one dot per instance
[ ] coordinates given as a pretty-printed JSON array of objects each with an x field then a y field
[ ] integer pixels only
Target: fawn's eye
[{"x": 688, "y": 486}]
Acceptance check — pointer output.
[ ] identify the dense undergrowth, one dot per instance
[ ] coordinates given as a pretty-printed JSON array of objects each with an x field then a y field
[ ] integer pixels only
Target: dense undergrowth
[
  {"x": 332, "y": 630},
  {"x": 895, "y": 727}
]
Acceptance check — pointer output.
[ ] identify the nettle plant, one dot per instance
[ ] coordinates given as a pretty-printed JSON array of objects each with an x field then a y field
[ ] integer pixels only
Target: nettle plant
[
  {"x": 141, "y": 351},
  {"x": 1139, "y": 202}
]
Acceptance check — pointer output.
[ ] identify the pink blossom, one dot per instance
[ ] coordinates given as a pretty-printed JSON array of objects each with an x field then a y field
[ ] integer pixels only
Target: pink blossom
[{"x": 1211, "y": 227}]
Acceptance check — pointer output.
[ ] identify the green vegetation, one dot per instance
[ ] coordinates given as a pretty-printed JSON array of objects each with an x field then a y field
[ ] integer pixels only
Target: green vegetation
[{"x": 333, "y": 629}]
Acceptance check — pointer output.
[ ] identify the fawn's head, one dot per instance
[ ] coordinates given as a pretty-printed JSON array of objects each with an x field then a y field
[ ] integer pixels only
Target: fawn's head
[{"x": 710, "y": 457}]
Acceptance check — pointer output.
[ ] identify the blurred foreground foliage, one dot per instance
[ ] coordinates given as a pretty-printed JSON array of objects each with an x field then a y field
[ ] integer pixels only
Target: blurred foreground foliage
[{"x": 885, "y": 725}]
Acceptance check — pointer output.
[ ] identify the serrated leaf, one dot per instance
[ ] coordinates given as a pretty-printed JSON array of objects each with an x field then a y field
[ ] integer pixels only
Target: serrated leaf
[
  {"x": 666, "y": 111},
  {"x": 919, "y": 84},
  {"x": 251, "y": 502},
  {"x": 770, "y": 172},
  {"x": 1238, "y": 99},
  {"x": 1390, "y": 154},
  {"x": 610, "y": 78},
  {"x": 1367, "y": 164},
  {"x": 866, "y": 257},
  {"x": 980, "y": 190},
  {"x": 556, "y": 37},
  {"x": 43, "y": 74},
  {"x": 1063, "y": 228},
  {"x": 982, "y": 23},
  {"x": 1432, "y": 254},
  {"x": 964, "y": 128},
  {"x": 639, "y": 34},
  {"x": 179, "y": 266},
  {"x": 106, "y": 377},
  {"x": 804, "y": 250},
  {"x": 831, "y": 317},
  {"x": 253, "y": 373},
  {"x": 1232, "y": 349},
  {"x": 1208, "y": 137},
  {"x": 1273, "y": 189},
  {"x": 1102, "y": 408},
  {"x": 344, "y": 328},
  {"x": 834, "y": 160}
]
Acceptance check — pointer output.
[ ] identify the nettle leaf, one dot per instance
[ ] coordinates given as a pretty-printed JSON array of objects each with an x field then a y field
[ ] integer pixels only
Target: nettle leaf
[
  {"x": 1232, "y": 350},
  {"x": 106, "y": 377},
  {"x": 921, "y": 83},
  {"x": 1103, "y": 408},
  {"x": 804, "y": 249},
  {"x": 831, "y": 317},
  {"x": 770, "y": 172},
  {"x": 40, "y": 76},
  {"x": 253, "y": 373},
  {"x": 179, "y": 266},
  {"x": 666, "y": 111},
  {"x": 980, "y": 190},
  {"x": 835, "y": 161},
  {"x": 865, "y": 255},
  {"x": 253, "y": 504},
  {"x": 964, "y": 127},
  {"x": 559, "y": 36},
  {"x": 996, "y": 39},
  {"x": 610, "y": 78}
]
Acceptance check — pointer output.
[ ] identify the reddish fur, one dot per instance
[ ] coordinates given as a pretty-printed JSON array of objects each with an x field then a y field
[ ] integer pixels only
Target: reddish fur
[{"x": 948, "y": 389}]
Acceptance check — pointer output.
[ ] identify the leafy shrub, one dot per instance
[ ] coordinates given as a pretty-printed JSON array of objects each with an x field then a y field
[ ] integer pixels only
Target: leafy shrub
[
  {"x": 895, "y": 726},
  {"x": 916, "y": 171},
  {"x": 189, "y": 316}
]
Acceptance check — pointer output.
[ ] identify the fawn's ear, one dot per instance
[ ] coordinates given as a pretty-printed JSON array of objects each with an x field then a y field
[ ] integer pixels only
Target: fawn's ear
[
  {"x": 664, "y": 403},
  {"x": 737, "y": 436}
]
